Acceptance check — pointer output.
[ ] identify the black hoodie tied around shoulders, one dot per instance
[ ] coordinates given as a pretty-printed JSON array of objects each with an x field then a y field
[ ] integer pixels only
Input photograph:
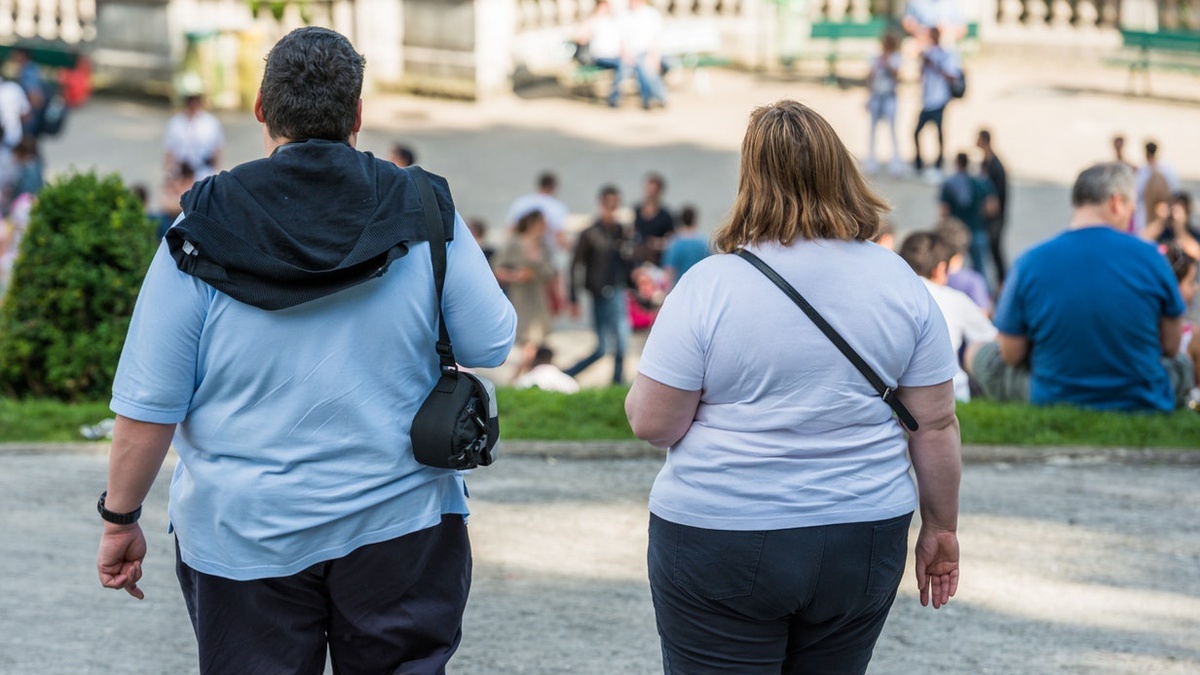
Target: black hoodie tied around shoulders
[{"x": 314, "y": 218}]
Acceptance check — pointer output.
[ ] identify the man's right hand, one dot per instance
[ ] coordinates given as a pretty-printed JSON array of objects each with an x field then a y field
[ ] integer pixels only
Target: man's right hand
[{"x": 119, "y": 562}]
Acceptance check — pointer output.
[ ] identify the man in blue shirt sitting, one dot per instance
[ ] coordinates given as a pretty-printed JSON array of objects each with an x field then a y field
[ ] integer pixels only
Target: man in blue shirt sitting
[{"x": 1091, "y": 317}]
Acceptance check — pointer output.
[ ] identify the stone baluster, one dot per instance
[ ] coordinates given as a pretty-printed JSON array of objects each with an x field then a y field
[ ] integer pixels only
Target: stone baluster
[
  {"x": 70, "y": 29},
  {"x": 26, "y": 25},
  {"x": 1035, "y": 13},
  {"x": 6, "y": 17},
  {"x": 704, "y": 8},
  {"x": 87, "y": 20},
  {"x": 1087, "y": 17},
  {"x": 527, "y": 14},
  {"x": 1193, "y": 17},
  {"x": 860, "y": 10},
  {"x": 1060, "y": 14},
  {"x": 1110, "y": 13},
  {"x": 1010, "y": 13},
  {"x": 837, "y": 10},
  {"x": 1168, "y": 14},
  {"x": 568, "y": 12}
]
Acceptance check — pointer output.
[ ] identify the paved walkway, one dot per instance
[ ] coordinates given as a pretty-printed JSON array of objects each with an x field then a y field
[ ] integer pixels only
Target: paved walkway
[{"x": 1068, "y": 567}]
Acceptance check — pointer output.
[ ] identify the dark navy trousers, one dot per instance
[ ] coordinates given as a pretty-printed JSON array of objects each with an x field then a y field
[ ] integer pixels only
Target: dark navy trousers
[
  {"x": 395, "y": 607},
  {"x": 809, "y": 600}
]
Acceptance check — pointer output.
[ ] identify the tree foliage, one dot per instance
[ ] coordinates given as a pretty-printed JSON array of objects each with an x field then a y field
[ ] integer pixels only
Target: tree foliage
[{"x": 81, "y": 263}]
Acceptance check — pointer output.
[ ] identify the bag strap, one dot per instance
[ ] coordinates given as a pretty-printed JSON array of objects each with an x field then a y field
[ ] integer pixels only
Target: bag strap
[
  {"x": 888, "y": 394},
  {"x": 437, "y": 253}
]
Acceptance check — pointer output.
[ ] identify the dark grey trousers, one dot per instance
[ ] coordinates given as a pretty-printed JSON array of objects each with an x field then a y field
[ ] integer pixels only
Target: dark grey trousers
[{"x": 809, "y": 600}]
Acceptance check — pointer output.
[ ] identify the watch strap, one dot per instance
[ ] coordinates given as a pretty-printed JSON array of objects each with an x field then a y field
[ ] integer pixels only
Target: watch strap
[{"x": 116, "y": 518}]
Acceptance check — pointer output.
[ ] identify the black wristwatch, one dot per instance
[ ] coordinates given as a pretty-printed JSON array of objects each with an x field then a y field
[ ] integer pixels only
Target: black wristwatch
[{"x": 117, "y": 518}]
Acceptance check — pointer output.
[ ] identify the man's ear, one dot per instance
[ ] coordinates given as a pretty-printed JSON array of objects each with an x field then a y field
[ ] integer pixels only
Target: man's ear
[
  {"x": 258, "y": 113},
  {"x": 358, "y": 117}
]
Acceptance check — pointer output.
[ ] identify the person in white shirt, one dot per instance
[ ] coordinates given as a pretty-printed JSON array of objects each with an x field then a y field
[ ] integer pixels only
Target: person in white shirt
[
  {"x": 929, "y": 257},
  {"x": 14, "y": 109},
  {"x": 546, "y": 376},
  {"x": 1144, "y": 173},
  {"x": 544, "y": 199},
  {"x": 194, "y": 137},
  {"x": 885, "y": 69},
  {"x": 641, "y": 30}
]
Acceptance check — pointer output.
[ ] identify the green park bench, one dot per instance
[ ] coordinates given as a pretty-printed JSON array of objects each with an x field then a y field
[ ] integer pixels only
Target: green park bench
[
  {"x": 692, "y": 46},
  {"x": 43, "y": 52},
  {"x": 1165, "y": 50}
]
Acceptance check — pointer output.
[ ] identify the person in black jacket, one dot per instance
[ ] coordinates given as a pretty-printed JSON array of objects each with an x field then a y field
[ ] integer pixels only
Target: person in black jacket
[
  {"x": 993, "y": 169},
  {"x": 603, "y": 255}
]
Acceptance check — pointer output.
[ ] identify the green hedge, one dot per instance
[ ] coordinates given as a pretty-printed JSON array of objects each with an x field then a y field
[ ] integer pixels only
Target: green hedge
[
  {"x": 73, "y": 288},
  {"x": 598, "y": 414}
]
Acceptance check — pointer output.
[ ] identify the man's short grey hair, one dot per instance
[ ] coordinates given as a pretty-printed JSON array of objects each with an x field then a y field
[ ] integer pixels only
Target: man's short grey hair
[{"x": 1101, "y": 181}]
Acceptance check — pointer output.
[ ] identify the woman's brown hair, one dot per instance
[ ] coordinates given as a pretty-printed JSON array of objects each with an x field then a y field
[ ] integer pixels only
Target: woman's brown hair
[{"x": 797, "y": 181}]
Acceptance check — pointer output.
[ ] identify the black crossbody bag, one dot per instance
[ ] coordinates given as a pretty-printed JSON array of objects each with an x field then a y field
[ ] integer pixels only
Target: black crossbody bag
[
  {"x": 885, "y": 392},
  {"x": 457, "y": 426}
]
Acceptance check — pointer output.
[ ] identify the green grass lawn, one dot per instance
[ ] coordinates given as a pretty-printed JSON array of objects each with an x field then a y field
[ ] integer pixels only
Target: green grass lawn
[{"x": 598, "y": 414}]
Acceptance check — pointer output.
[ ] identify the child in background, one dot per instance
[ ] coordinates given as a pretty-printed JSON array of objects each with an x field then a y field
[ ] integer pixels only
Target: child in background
[
  {"x": 884, "y": 75},
  {"x": 1184, "y": 267},
  {"x": 962, "y": 278}
]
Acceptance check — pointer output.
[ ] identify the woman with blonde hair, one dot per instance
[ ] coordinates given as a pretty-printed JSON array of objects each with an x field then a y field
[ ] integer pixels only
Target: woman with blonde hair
[{"x": 779, "y": 523}]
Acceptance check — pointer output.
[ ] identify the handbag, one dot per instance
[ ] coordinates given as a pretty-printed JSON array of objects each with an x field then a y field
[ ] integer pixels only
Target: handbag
[
  {"x": 887, "y": 393},
  {"x": 457, "y": 425}
]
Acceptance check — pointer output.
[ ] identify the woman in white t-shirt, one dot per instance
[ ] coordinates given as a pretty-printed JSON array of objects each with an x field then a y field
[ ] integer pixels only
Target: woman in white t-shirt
[{"x": 779, "y": 523}]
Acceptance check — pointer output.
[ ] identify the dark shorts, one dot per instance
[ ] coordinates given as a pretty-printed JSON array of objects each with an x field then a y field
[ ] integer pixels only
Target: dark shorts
[
  {"x": 805, "y": 600},
  {"x": 392, "y": 607}
]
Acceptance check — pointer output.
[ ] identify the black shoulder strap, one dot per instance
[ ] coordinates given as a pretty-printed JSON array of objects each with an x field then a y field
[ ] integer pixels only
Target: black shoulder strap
[
  {"x": 885, "y": 392},
  {"x": 437, "y": 252}
]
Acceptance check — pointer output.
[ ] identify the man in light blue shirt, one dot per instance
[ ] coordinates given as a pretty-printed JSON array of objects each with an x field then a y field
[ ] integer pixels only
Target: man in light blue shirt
[
  {"x": 939, "y": 67},
  {"x": 283, "y": 340}
]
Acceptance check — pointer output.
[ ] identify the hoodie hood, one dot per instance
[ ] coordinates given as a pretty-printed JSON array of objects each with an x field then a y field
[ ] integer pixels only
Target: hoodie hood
[{"x": 314, "y": 218}]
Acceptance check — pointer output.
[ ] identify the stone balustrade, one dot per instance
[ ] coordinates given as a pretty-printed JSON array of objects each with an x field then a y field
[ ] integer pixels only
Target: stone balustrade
[{"x": 144, "y": 39}]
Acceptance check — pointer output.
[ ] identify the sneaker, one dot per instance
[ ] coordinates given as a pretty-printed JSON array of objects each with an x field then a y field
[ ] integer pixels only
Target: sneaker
[
  {"x": 932, "y": 175},
  {"x": 1193, "y": 399}
]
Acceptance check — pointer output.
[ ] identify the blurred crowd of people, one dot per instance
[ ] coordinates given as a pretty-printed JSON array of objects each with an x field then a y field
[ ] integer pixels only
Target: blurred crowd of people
[{"x": 29, "y": 109}]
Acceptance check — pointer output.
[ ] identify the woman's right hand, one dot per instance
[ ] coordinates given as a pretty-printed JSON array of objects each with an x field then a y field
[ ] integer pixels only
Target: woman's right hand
[{"x": 937, "y": 565}]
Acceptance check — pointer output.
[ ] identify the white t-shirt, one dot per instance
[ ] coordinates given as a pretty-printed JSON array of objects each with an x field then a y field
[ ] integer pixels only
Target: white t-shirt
[
  {"x": 547, "y": 377},
  {"x": 935, "y": 90},
  {"x": 13, "y": 106},
  {"x": 551, "y": 207},
  {"x": 194, "y": 140},
  {"x": 788, "y": 432},
  {"x": 967, "y": 323},
  {"x": 642, "y": 29},
  {"x": 605, "y": 40},
  {"x": 883, "y": 82}
]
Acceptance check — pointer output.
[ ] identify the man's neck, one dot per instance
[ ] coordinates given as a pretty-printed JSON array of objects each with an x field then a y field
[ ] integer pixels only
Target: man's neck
[{"x": 1092, "y": 215}]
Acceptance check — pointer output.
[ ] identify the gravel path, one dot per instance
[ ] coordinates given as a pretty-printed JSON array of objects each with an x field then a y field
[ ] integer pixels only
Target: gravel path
[{"x": 1069, "y": 567}]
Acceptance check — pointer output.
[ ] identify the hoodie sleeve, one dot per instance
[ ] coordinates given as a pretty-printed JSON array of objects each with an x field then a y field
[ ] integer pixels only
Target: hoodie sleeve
[{"x": 481, "y": 321}]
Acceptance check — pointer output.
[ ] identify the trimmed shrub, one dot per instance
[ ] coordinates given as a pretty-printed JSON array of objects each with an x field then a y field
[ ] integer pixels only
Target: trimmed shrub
[{"x": 73, "y": 289}]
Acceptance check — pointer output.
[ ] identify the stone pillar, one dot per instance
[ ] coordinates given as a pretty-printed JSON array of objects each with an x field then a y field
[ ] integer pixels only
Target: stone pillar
[
  {"x": 379, "y": 33},
  {"x": 458, "y": 48}
]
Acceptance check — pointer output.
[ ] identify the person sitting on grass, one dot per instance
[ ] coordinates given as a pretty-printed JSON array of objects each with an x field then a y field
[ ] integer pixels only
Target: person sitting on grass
[
  {"x": 1184, "y": 266},
  {"x": 929, "y": 257},
  {"x": 1091, "y": 317},
  {"x": 546, "y": 376},
  {"x": 960, "y": 277}
]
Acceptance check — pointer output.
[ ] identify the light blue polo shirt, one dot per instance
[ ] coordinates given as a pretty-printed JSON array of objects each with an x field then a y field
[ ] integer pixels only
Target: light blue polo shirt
[{"x": 293, "y": 424}]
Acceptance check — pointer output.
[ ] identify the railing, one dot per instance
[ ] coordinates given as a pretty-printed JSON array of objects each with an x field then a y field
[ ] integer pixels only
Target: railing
[{"x": 72, "y": 21}]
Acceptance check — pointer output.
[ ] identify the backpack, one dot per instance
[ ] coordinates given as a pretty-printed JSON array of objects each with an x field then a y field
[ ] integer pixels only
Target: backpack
[{"x": 958, "y": 84}]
